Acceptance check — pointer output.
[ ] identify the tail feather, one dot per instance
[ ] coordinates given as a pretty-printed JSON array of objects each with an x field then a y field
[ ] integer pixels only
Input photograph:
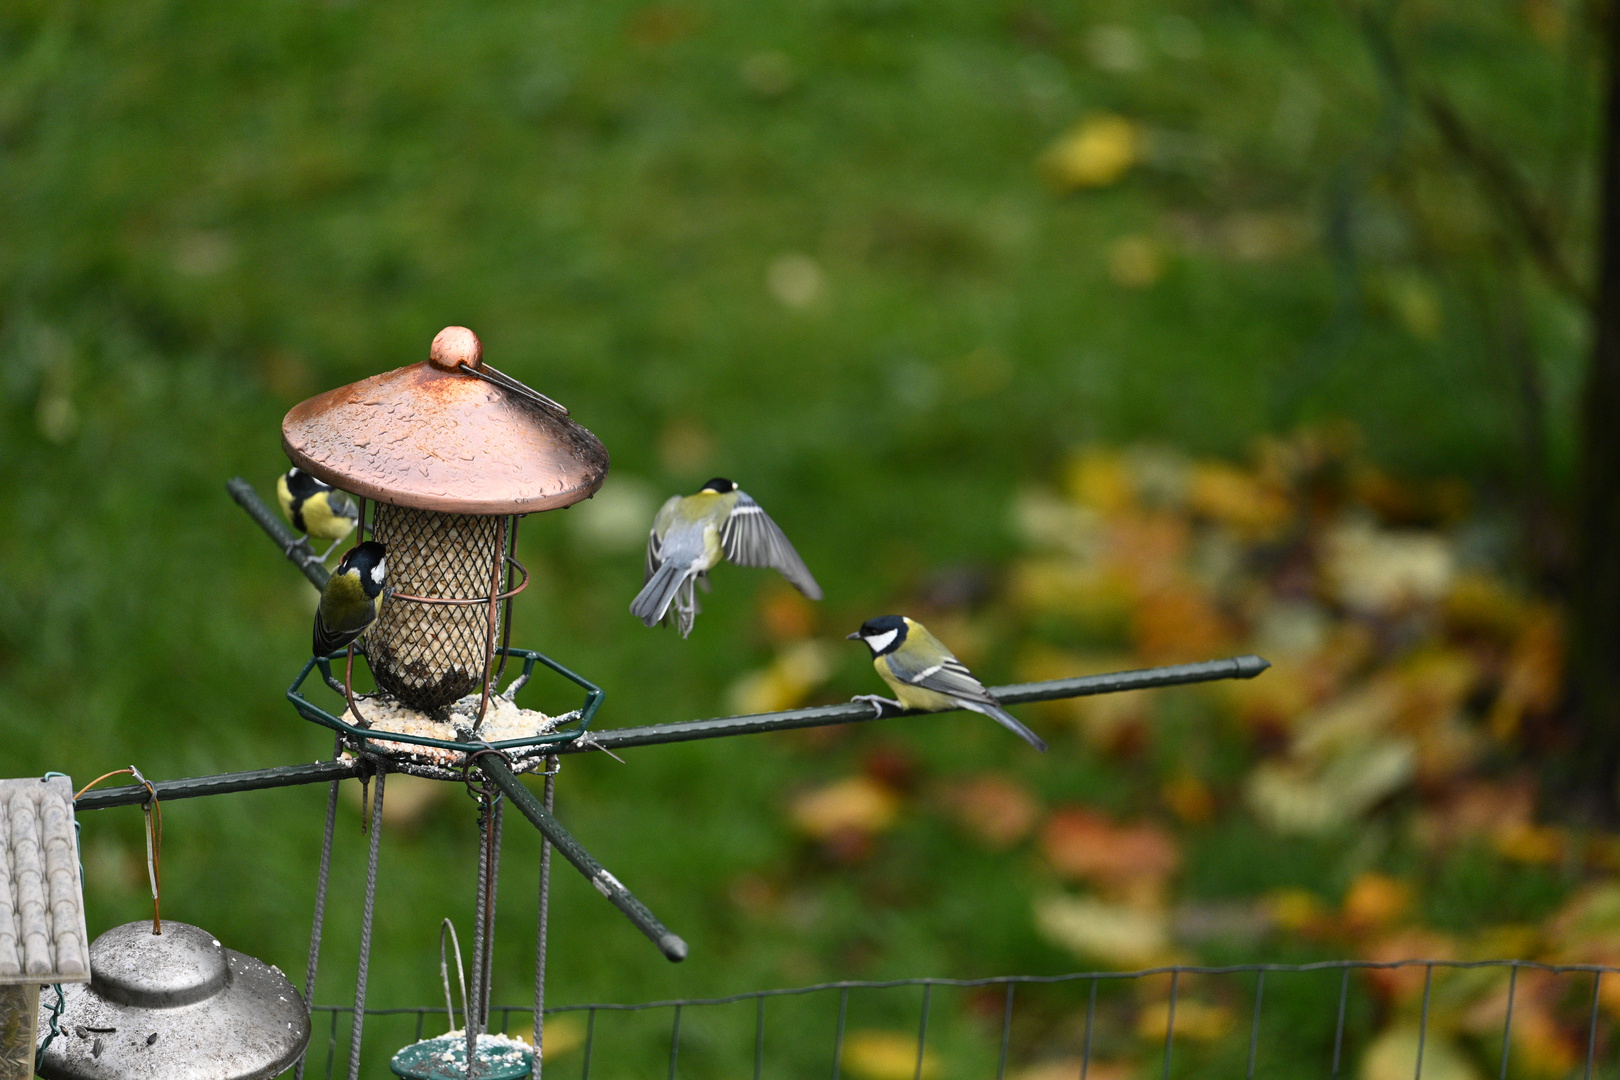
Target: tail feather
[
  {"x": 1008, "y": 721},
  {"x": 655, "y": 597},
  {"x": 328, "y": 641}
]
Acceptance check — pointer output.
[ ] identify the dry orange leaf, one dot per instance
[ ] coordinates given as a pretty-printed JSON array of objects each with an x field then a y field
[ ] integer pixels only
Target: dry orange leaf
[
  {"x": 858, "y": 804},
  {"x": 1178, "y": 623},
  {"x": 1533, "y": 676},
  {"x": 787, "y": 614},
  {"x": 1189, "y": 798},
  {"x": 1237, "y": 498},
  {"x": 1541, "y": 1046},
  {"x": 1374, "y": 901},
  {"x": 1405, "y": 983},
  {"x": 994, "y": 808},
  {"x": 1082, "y": 844}
]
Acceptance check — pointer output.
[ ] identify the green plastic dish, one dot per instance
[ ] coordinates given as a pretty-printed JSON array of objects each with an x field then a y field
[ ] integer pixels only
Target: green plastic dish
[{"x": 445, "y": 1058}]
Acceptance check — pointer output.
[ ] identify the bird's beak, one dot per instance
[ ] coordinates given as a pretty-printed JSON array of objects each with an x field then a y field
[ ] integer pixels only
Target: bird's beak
[{"x": 856, "y": 636}]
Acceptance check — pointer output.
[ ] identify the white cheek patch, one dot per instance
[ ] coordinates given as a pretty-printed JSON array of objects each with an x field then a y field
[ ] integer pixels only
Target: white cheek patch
[
  {"x": 378, "y": 571},
  {"x": 879, "y": 642}
]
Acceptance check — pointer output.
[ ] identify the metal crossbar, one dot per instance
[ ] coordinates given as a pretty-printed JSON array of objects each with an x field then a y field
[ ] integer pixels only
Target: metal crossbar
[{"x": 1000, "y": 1047}]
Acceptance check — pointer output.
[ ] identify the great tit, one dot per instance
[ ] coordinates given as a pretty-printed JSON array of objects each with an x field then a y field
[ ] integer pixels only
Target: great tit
[
  {"x": 349, "y": 601},
  {"x": 925, "y": 676},
  {"x": 692, "y": 532},
  {"x": 316, "y": 508}
]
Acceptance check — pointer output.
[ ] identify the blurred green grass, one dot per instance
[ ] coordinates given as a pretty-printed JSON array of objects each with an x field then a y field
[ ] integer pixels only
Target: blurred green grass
[{"x": 211, "y": 213}]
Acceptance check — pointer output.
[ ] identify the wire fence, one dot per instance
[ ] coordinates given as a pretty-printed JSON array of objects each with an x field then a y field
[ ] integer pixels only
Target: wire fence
[{"x": 1391, "y": 1020}]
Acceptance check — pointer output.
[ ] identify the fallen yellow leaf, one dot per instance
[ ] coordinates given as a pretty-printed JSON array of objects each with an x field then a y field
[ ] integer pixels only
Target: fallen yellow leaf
[
  {"x": 1096, "y": 152},
  {"x": 1122, "y": 936},
  {"x": 564, "y": 1035},
  {"x": 886, "y": 1055},
  {"x": 1393, "y": 1056},
  {"x": 858, "y": 804},
  {"x": 1195, "y": 1020}
]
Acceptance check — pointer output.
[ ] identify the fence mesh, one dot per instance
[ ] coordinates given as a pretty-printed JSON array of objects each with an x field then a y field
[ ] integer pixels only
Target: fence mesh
[{"x": 1449, "y": 1020}]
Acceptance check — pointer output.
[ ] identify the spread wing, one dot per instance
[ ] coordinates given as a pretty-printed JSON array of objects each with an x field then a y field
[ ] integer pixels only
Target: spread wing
[
  {"x": 655, "y": 539},
  {"x": 750, "y": 538},
  {"x": 948, "y": 676}
]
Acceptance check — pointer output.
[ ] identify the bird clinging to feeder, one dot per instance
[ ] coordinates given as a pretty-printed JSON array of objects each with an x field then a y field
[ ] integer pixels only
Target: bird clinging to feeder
[
  {"x": 350, "y": 598},
  {"x": 316, "y": 509}
]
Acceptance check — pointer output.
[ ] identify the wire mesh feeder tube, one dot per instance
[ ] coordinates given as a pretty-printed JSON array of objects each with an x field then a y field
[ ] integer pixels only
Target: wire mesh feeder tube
[{"x": 427, "y": 654}]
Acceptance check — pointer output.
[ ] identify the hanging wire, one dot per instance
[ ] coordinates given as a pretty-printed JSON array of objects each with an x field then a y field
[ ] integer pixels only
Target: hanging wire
[
  {"x": 553, "y": 765},
  {"x": 321, "y": 879},
  {"x": 153, "y": 814},
  {"x": 490, "y": 815},
  {"x": 365, "y": 930},
  {"x": 56, "y": 1015},
  {"x": 489, "y": 374},
  {"x": 444, "y": 974}
]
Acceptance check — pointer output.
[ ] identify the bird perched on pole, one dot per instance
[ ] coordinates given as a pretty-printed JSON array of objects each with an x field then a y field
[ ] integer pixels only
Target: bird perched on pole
[
  {"x": 349, "y": 600},
  {"x": 693, "y": 532},
  {"x": 925, "y": 675},
  {"x": 316, "y": 508}
]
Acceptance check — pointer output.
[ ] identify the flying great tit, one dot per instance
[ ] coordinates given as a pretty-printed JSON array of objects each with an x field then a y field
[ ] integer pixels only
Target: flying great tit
[
  {"x": 316, "y": 508},
  {"x": 349, "y": 601},
  {"x": 693, "y": 532},
  {"x": 925, "y": 676}
]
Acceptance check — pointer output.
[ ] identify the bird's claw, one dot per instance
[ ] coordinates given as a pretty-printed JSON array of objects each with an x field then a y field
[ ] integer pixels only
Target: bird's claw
[{"x": 877, "y": 701}]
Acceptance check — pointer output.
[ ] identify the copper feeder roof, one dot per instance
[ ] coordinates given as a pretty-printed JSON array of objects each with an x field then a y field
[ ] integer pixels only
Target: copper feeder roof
[{"x": 437, "y": 436}]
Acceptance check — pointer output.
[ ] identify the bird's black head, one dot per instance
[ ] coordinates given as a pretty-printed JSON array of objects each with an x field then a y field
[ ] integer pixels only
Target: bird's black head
[
  {"x": 883, "y": 634},
  {"x": 302, "y": 485},
  {"x": 368, "y": 560},
  {"x": 720, "y": 486}
]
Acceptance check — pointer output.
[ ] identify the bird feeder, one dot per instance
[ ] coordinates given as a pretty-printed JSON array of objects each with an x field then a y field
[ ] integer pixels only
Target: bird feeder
[
  {"x": 174, "y": 1006},
  {"x": 450, "y": 453}
]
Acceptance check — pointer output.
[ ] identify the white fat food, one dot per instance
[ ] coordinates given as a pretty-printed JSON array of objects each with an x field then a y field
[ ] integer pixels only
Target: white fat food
[
  {"x": 879, "y": 642},
  {"x": 504, "y": 720}
]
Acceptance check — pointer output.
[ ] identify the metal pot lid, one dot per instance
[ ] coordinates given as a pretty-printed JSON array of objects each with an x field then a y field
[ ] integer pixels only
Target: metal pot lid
[
  {"x": 449, "y": 434},
  {"x": 175, "y": 1006}
]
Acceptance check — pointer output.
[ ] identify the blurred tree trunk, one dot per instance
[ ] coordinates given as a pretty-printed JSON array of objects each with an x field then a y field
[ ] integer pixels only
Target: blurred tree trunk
[{"x": 1594, "y": 673}]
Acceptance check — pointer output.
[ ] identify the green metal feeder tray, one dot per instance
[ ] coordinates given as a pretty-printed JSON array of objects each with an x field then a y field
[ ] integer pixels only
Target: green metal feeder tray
[
  {"x": 445, "y": 1058},
  {"x": 564, "y": 733}
]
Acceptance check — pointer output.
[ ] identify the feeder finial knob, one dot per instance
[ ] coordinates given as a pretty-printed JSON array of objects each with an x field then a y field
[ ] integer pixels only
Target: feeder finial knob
[{"x": 454, "y": 346}]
